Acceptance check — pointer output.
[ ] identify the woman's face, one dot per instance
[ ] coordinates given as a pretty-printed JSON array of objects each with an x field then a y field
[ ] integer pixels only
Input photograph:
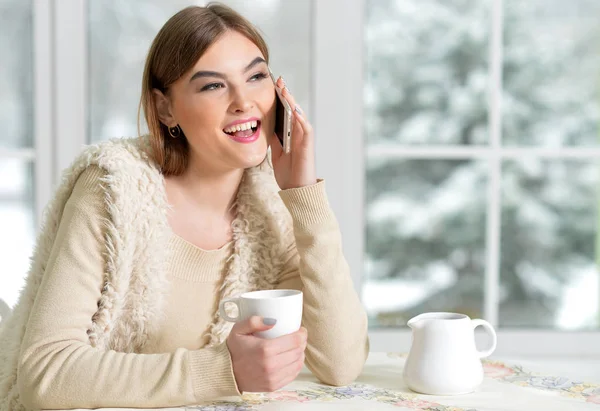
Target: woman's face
[{"x": 225, "y": 105}]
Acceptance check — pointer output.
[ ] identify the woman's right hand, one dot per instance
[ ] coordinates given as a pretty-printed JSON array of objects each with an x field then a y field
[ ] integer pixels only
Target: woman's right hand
[{"x": 262, "y": 365}]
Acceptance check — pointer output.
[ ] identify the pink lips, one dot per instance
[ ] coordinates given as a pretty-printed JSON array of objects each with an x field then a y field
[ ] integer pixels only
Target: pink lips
[{"x": 246, "y": 140}]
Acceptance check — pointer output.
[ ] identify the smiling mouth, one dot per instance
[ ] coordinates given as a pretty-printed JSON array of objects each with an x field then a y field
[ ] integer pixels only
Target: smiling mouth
[{"x": 243, "y": 130}]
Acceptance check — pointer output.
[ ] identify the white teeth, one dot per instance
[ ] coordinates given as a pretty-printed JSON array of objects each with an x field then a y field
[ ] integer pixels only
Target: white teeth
[{"x": 241, "y": 127}]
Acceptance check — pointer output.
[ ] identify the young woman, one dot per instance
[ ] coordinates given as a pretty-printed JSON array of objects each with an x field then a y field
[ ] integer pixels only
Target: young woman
[{"x": 145, "y": 236}]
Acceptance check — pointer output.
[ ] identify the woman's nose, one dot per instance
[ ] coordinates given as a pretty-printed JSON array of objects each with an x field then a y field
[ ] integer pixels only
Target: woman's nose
[{"x": 241, "y": 103}]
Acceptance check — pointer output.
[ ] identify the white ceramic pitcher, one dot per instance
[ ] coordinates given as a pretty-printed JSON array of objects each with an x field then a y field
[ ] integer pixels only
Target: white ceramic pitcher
[{"x": 443, "y": 359}]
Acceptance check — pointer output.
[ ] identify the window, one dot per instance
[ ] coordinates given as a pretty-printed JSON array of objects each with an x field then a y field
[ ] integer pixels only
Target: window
[
  {"x": 26, "y": 155},
  {"x": 488, "y": 209},
  {"x": 467, "y": 176},
  {"x": 17, "y": 154}
]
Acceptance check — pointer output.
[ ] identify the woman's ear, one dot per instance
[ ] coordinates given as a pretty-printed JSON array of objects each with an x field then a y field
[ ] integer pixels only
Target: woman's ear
[{"x": 163, "y": 107}]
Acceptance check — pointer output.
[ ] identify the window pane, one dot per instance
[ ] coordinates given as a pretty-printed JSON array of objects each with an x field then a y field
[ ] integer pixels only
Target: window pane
[
  {"x": 121, "y": 33},
  {"x": 425, "y": 247},
  {"x": 427, "y": 71},
  {"x": 16, "y": 73},
  {"x": 17, "y": 222},
  {"x": 549, "y": 267},
  {"x": 551, "y": 73}
]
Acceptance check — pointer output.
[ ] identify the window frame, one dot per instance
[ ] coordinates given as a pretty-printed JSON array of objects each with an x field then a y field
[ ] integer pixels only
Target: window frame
[{"x": 43, "y": 74}]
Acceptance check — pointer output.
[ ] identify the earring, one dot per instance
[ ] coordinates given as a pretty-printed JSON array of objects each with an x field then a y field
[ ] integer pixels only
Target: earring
[{"x": 175, "y": 131}]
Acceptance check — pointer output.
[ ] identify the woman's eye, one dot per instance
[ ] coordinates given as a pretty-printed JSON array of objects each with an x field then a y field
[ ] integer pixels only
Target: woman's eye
[
  {"x": 211, "y": 86},
  {"x": 258, "y": 76}
]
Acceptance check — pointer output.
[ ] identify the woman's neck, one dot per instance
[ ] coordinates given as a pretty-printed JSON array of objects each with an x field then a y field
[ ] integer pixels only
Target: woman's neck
[{"x": 212, "y": 192}]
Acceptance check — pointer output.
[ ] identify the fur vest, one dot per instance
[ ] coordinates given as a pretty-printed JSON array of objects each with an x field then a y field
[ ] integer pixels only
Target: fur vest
[{"x": 134, "y": 279}]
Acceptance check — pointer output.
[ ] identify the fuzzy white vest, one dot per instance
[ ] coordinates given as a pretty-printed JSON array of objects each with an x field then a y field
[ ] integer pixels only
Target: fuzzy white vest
[{"x": 135, "y": 283}]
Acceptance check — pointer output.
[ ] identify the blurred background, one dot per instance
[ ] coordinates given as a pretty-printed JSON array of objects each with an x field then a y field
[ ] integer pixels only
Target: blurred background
[{"x": 459, "y": 139}]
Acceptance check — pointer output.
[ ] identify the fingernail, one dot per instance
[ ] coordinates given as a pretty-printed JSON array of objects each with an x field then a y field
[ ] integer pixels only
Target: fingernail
[
  {"x": 269, "y": 321},
  {"x": 298, "y": 110}
]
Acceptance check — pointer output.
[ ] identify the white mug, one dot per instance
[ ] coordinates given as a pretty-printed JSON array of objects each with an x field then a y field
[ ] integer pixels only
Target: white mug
[{"x": 285, "y": 306}]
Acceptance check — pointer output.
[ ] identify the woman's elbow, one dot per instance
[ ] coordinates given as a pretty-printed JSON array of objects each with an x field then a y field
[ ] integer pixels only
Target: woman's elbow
[
  {"x": 343, "y": 370},
  {"x": 35, "y": 387},
  {"x": 340, "y": 376},
  {"x": 29, "y": 387},
  {"x": 338, "y": 380}
]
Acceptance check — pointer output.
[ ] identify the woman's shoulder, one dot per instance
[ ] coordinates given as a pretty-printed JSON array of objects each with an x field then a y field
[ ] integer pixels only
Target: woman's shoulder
[
  {"x": 118, "y": 153},
  {"x": 89, "y": 189},
  {"x": 117, "y": 156},
  {"x": 90, "y": 179},
  {"x": 120, "y": 160}
]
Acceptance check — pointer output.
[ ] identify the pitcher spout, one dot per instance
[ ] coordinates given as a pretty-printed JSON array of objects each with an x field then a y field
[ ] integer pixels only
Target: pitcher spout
[{"x": 416, "y": 322}]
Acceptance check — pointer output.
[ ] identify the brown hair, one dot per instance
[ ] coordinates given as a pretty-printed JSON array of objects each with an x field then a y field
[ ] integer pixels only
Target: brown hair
[{"x": 176, "y": 48}]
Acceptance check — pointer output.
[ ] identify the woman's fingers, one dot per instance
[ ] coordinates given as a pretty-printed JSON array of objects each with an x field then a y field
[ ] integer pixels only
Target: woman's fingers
[
  {"x": 280, "y": 83},
  {"x": 287, "y": 358},
  {"x": 306, "y": 126},
  {"x": 301, "y": 124},
  {"x": 289, "y": 373},
  {"x": 290, "y": 99}
]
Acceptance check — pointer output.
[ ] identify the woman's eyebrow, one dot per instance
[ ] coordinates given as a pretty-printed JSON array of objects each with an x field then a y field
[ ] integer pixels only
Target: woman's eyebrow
[
  {"x": 257, "y": 60},
  {"x": 207, "y": 73}
]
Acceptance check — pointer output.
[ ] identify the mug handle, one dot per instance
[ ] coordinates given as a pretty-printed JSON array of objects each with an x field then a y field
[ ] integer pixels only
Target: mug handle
[
  {"x": 222, "y": 312},
  {"x": 488, "y": 327}
]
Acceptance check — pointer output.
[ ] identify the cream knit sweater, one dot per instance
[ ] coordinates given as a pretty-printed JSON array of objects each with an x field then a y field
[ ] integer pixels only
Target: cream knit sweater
[{"x": 60, "y": 367}]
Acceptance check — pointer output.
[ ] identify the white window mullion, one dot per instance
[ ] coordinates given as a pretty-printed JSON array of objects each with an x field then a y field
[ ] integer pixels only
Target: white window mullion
[
  {"x": 43, "y": 124},
  {"x": 70, "y": 74},
  {"x": 27, "y": 154},
  {"x": 494, "y": 196},
  {"x": 338, "y": 78},
  {"x": 398, "y": 151},
  {"x": 493, "y": 232}
]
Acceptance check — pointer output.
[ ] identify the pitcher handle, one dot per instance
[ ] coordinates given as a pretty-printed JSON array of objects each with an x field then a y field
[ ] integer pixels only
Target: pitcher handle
[{"x": 488, "y": 327}]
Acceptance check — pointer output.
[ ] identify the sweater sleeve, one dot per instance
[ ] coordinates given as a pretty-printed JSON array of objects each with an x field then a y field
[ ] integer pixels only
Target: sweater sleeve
[
  {"x": 338, "y": 343},
  {"x": 59, "y": 369}
]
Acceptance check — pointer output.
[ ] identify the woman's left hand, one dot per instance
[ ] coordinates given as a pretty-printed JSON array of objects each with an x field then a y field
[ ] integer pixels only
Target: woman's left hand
[{"x": 296, "y": 169}]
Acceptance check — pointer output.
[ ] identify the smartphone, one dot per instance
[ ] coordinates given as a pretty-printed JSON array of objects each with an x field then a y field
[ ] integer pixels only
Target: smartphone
[{"x": 283, "y": 118}]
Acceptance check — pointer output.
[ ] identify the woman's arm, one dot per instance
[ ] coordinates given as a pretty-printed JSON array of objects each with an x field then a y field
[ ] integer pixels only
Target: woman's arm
[
  {"x": 338, "y": 342},
  {"x": 59, "y": 369}
]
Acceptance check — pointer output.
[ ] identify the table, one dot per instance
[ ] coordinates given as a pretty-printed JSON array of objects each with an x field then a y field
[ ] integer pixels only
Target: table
[{"x": 506, "y": 387}]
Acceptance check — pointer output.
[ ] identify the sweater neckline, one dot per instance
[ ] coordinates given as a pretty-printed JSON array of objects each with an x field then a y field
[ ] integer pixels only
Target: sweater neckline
[{"x": 180, "y": 239}]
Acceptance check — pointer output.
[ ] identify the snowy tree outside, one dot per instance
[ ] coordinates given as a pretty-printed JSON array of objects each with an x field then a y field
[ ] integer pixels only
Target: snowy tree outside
[{"x": 427, "y": 84}]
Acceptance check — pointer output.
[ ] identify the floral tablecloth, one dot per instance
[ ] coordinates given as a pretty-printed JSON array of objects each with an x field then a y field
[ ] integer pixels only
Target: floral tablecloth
[{"x": 506, "y": 387}]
